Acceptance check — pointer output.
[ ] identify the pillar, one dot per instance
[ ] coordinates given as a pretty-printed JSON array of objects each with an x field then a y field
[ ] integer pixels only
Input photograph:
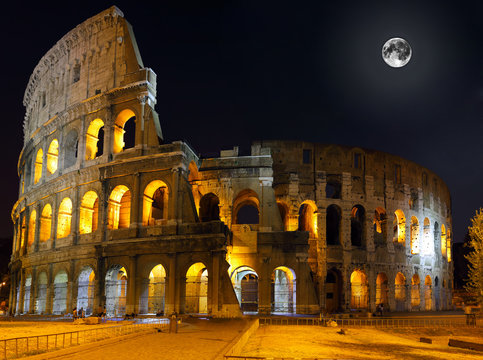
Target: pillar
[
  {"x": 131, "y": 286},
  {"x": 264, "y": 288},
  {"x": 170, "y": 296}
]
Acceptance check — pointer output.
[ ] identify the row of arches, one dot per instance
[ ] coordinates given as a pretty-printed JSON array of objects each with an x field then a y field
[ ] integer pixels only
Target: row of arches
[{"x": 123, "y": 135}]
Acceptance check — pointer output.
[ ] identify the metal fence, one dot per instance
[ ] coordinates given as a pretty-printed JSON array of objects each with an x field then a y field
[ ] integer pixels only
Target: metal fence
[
  {"x": 31, "y": 345},
  {"x": 371, "y": 322}
]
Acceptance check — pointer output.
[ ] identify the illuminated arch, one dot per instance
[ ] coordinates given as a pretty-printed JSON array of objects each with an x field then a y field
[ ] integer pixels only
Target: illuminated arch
[
  {"x": 428, "y": 293},
  {"x": 26, "y": 294},
  {"x": 284, "y": 214},
  {"x": 382, "y": 289},
  {"x": 53, "y": 156},
  {"x": 155, "y": 202},
  {"x": 45, "y": 223},
  {"x": 116, "y": 290},
  {"x": 152, "y": 299},
  {"x": 284, "y": 290},
  {"x": 359, "y": 291},
  {"x": 89, "y": 213},
  {"x": 23, "y": 228},
  {"x": 380, "y": 225},
  {"x": 31, "y": 232},
  {"x": 196, "y": 292},
  {"x": 448, "y": 244},
  {"x": 121, "y": 120},
  {"x": 414, "y": 235},
  {"x": 92, "y": 138},
  {"x": 427, "y": 248},
  {"x": 415, "y": 291},
  {"x": 41, "y": 293},
  {"x": 119, "y": 208},
  {"x": 60, "y": 293},
  {"x": 85, "y": 290},
  {"x": 399, "y": 226},
  {"x": 443, "y": 240},
  {"x": 38, "y": 166},
  {"x": 247, "y": 202},
  {"x": 245, "y": 282},
  {"x": 400, "y": 291},
  {"x": 308, "y": 218},
  {"x": 64, "y": 218}
]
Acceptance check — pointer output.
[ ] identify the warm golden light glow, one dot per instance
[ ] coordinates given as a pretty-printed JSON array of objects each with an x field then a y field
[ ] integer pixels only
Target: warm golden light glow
[
  {"x": 22, "y": 231},
  {"x": 426, "y": 247},
  {"x": 119, "y": 208},
  {"x": 415, "y": 289},
  {"x": 31, "y": 232},
  {"x": 88, "y": 214},
  {"x": 428, "y": 293},
  {"x": 399, "y": 227},
  {"x": 64, "y": 218},
  {"x": 92, "y": 138},
  {"x": 414, "y": 235},
  {"x": 381, "y": 289},
  {"x": 155, "y": 203},
  {"x": 359, "y": 293},
  {"x": 121, "y": 120},
  {"x": 45, "y": 223},
  {"x": 448, "y": 245},
  {"x": 400, "y": 287},
  {"x": 53, "y": 156},
  {"x": 308, "y": 218},
  {"x": 38, "y": 166},
  {"x": 443, "y": 240},
  {"x": 196, "y": 296}
]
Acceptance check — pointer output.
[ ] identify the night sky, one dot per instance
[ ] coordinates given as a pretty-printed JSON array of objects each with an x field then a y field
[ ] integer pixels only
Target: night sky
[{"x": 229, "y": 73}]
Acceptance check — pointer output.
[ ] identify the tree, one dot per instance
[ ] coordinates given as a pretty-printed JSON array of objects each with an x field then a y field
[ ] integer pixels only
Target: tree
[{"x": 474, "y": 284}]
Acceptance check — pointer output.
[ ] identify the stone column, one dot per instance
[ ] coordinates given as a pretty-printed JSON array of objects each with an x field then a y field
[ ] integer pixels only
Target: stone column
[
  {"x": 215, "y": 283},
  {"x": 169, "y": 306},
  {"x": 264, "y": 287},
  {"x": 131, "y": 285},
  {"x": 33, "y": 291},
  {"x": 21, "y": 291},
  {"x": 49, "y": 298},
  {"x": 136, "y": 215}
]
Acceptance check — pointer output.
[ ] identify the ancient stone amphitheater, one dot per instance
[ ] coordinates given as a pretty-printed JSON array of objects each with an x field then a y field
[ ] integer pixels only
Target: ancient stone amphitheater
[{"x": 109, "y": 216}]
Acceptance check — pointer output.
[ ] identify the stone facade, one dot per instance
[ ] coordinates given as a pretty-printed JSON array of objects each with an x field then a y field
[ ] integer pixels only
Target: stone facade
[{"x": 109, "y": 217}]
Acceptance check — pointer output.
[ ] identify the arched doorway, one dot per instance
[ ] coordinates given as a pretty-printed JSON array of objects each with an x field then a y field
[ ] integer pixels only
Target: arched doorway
[
  {"x": 26, "y": 294},
  {"x": 116, "y": 291},
  {"x": 359, "y": 293},
  {"x": 428, "y": 294},
  {"x": 85, "y": 290},
  {"x": 332, "y": 223},
  {"x": 245, "y": 283},
  {"x": 40, "y": 299},
  {"x": 284, "y": 290},
  {"x": 155, "y": 203},
  {"x": 400, "y": 292},
  {"x": 209, "y": 208},
  {"x": 358, "y": 219},
  {"x": 415, "y": 288},
  {"x": 60, "y": 293},
  {"x": 381, "y": 290},
  {"x": 153, "y": 293},
  {"x": 333, "y": 287},
  {"x": 196, "y": 296}
]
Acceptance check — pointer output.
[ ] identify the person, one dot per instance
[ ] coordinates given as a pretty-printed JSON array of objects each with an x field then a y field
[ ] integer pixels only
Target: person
[
  {"x": 173, "y": 323},
  {"x": 74, "y": 314},
  {"x": 381, "y": 309}
]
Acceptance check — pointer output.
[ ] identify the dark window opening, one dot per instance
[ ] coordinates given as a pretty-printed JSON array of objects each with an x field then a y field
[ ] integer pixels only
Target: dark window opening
[
  {"x": 333, "y": 225},
  {"x": 76, "y": 73},
  {"x": 44, "y": 99},
  {"x": 357, "y": 226},
  {"x": 357, "y": 161},
  {"x": 158, "y": 203},
  {"x": 307, "y": 156},
  {"x": 248, "y": 214},
  {"x": 98, "y": 91},
  {"x": 100, "y": 142},
  {"x": 330, "y": 295},
  {"x": 209, "y": 208},
  {"x": 333, "y": 190},
  {"x": 130, "y": 133}
]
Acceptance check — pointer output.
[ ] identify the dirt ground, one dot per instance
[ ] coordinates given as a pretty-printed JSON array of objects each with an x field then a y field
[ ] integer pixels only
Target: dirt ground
[{"x": 323, "y": 342}]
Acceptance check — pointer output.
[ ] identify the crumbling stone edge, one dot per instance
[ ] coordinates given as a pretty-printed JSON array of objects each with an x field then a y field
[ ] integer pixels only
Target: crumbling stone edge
[{"x": 239, "y": 341}]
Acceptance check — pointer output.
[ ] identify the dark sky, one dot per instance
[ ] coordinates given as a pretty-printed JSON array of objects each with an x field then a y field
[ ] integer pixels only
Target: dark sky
[{"x": 229, "y": 73}]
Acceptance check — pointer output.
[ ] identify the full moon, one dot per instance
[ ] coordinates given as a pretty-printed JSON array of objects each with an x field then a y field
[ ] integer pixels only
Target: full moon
[{"x": 396, "y": 52}]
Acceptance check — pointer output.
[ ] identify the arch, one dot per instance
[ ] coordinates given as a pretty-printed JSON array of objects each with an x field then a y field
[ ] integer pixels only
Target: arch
[
  {"x": 284, "y": 290},
  {"x": 333, "y": 187},
  {"x": 359, "y": 291},
  {"x": 31, "y": 232},
  {"x": 400, "y": 291},
  {"x": 95, "y": 132},
  {"x": 333, "y": 290},
  {"x": 119, "y": 208},
  {"x": 193, "y": 174},
  {"x": 448, "y": 244},
  {"x": 152, "y": 298},
  {"x": 60, "y": 293},
  {"x": 414, "y": 235},
  {"x": 89, "y": 212},
  {"x": 39, "y": 159},
  {"x": 116, "y": 290},
  {"x": 196, "y": 292},
  {"x": 443, "y": 240},
  {"x": 428, "y": 293},
  {"x": 26, "y": 294},
  {"x": 45, "y": 223},
  {"x": 209, "y": 207},
  {"x": 358, "y": 219},
  {"x": 415, "y": 290},
  {"x": 380, "y": 226},
  {"x": 155, "y": 203},
  {"x": 426, "y": 246},
  {"x": 41, "y": 293},
  {"x": 399, "y": 227},
  {"x": 333, "y": 223},
  {"x": 283, "y": 209},
  {"x": 382, "y": 289},
  {"x": 245, "y": 283},
  {"x": 23, "y": 229},
  {"x": 308, "y": 218},
  {"x": 64, "y": 218},
  {"x": 53, "y": 156},
  {"x": 85, "y": 290},
  {"x": 119, "y": 130},
  {"x": 71, "y": 144},
  {"x": 246, "y": 208}
]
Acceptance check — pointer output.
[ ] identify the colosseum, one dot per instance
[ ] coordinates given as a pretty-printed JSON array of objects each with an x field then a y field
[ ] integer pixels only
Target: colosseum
[{"x": 111, "y": 217}]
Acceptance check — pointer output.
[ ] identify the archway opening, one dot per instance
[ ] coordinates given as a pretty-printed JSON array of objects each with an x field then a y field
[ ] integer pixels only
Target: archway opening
[
  {"x": 209, "y": 208},
  {"x": 443, "y": 240},
  {"x": 359, "y": 293},
  {"x": 60, "y": 293},
  {"x": 415, "y": 289},
  {"x": 245, "y": 283},
  {"x": 246, "y": 208},
  {"x": 64, "y": 218},
  {"x": 284, "y": 290},
  {"x": 382, "y": 290},
  {"x": 358, "y": 226},
  {"x": 26, "y": 294},
  {"x": 95, "y": 139},
  {"x": 119, "y": 208},
  {"x": 333, "y": 290},
  {"x": 153, "y": 293},
  {"x": 45, "y": 223},
  {"x": 53, "y": 156},
  {"x": 400, "y": 291},
  {"x": 380, "y": 226},
  {"x": 399, "y": 227},
  {"x": 89, "y": 213},
  {"x": 85, "y": 290},
  {"x": 31, "y": 232},
  {"x": 283, "y": 209},
  {"x": 414, "y": 235},
  {"x": 39, "y": 159},
  {"x": 428, "y": 293},
  {"x": 196, "y": 295},
  {"x": 41, "y": 296},
  {"x": 155, "y": 203},
  {"x": 71, "y": 144},
  {"x": 427, "y": 247},
  {"x": 116, "y": 291},
  {"x": 333, "y": 225},
  {"x": 124, "y": 131},
  {"x": 308, "y": 219}
]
